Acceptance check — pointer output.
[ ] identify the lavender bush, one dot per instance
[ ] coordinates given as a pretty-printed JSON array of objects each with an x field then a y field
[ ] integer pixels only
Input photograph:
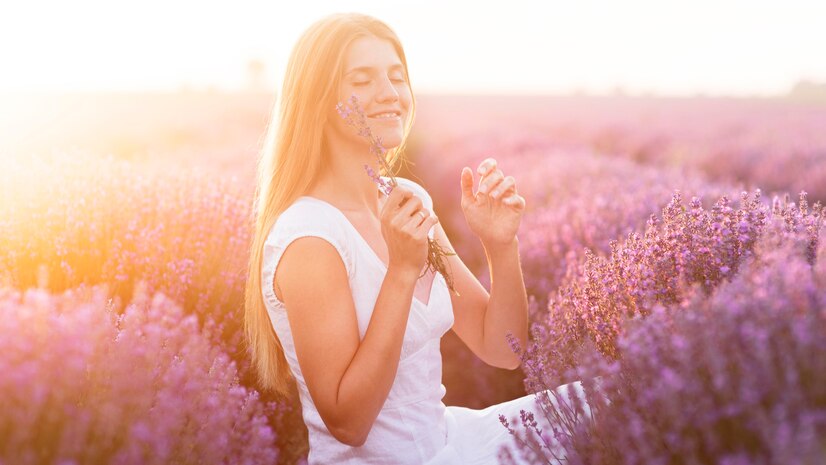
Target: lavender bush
[
  {"x": 121, "y": 222},
  {"x": 688, "y": 249},
  {"x": 750, "y": 361},
  {"x": 579, "y": 162},
  {"x": 79, "y": 219},
  {"x": 84, "y": 382},
  {"x": 582, "y": 202},
  {"x": 722, "y": 363},
  {"x": 92, "y": 220},
  {"x": 576, "y": 201}
]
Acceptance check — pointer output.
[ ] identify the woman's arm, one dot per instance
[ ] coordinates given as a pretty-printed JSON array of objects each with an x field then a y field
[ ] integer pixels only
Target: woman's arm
[
  {"x": 348, "y": 380},
  {"x": 481, "y": 320},
  {"x": 367, "y": 381},
  {"x": 507, "y": 308}
]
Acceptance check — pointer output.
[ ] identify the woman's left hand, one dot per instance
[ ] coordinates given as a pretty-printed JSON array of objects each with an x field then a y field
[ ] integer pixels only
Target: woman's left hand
[{"x": 494, "y": 212}]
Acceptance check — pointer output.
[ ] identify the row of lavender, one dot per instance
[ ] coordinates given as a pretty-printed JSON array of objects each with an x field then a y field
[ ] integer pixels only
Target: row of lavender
[
  {"x": 699, "y": 329},
  {"x": 776, "y": 145},
  {"x": 122, "y": 299},
  {"x": 576, "y": 200},
  {"x": 64, "y": 225},
  {"x": 185, "y": 236},
  {"x": 86, "y": 381},
  {"x": 703, "y": 340}
]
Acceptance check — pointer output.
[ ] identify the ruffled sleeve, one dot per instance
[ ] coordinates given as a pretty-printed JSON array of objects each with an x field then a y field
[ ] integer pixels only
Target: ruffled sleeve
[{"x": 300, "y": 220}]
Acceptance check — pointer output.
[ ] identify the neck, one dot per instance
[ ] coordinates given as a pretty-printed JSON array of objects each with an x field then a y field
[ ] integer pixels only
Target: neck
[{"x": 344, "y": 182}]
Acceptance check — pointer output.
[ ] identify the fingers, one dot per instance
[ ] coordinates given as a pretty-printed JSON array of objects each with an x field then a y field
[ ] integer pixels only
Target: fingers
[
  {"x": 406, "y": 217},
  {"x": 467, "y": 182},
  {"x": 491, "y": 180},
  {"x": 486, "y": 166},
  {"x": 398, "y": 197},
  {"x": 507, "y": 184},
  {"x": 398, "y": 194},
  {"x": 485, "y": 169},
  {"x": 491, "y": 177},
  {"x": 410, "y": 207},
  {"x": 424, "y": 227},
  {"x": 419, "y": 217},
  {"x": 412, "y": 216},
  {"x": 428, "y": 223},
  {"x": 494, "y": 183},
  {"x": 514, "y": 200}
]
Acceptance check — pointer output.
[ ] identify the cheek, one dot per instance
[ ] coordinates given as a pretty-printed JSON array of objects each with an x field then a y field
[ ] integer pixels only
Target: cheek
[
  {"x": 405, "y": 97},
  {"x": 360, "y": 95},
  {"x": 345, "y": 91}
]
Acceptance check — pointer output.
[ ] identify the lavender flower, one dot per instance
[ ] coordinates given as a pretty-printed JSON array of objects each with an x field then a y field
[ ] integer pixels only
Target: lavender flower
[
  {"x": 354, "y": 116},
  {"x": 182, "y": 233},
  {"x": 88, "y": 382},
  {"x": 728, "y": 318}
]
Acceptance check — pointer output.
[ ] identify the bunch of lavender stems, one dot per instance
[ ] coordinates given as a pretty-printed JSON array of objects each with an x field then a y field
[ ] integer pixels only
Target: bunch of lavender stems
[{"x": 354, "y": 116}]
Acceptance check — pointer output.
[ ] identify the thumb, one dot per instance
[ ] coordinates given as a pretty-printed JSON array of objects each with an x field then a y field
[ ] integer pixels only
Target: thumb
[{"x": 467, "y": 182}]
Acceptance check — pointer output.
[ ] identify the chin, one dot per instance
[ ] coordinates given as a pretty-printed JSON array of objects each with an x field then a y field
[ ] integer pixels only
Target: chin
[{"x": 390, "y": 139}]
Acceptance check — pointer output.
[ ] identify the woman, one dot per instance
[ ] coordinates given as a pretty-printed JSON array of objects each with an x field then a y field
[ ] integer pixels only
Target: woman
[{"x": 335, "y": 299}]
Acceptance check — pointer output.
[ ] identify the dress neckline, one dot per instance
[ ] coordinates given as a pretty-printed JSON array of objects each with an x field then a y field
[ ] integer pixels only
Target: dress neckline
[{"x": 372, "y": 252}]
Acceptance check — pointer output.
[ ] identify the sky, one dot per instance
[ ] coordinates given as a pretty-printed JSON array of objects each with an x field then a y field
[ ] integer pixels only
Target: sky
[{"x": 717, "y": 47}]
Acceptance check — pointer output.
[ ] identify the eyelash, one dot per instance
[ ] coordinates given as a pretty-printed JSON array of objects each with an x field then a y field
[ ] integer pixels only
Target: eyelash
[{"x": 366, "y": 82}]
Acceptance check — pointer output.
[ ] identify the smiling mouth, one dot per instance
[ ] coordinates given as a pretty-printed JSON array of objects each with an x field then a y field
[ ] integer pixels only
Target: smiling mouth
[{"x": 388, "y": 118}]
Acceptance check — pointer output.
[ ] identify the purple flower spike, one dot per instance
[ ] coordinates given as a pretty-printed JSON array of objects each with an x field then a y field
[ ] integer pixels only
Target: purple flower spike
[{"x": 354, "y": 116}]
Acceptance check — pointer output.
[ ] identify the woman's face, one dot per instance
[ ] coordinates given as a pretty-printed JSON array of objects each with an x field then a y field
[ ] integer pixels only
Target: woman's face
[{"x": 374, "y": 73}]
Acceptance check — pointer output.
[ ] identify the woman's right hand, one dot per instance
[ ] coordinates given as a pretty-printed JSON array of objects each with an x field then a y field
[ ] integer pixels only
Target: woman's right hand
[{"x": 405, "y": 230}]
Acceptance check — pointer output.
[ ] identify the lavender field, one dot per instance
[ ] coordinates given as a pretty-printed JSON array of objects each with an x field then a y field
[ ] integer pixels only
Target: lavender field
[{"x": 674, "y": 252}]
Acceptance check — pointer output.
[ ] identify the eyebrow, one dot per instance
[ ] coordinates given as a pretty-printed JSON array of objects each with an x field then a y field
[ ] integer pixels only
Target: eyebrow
[{"x": 370, "y": 68}]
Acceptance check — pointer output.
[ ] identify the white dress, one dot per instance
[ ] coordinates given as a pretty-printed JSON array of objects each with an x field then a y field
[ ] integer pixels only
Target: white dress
[{"x": 414, "y": 425}]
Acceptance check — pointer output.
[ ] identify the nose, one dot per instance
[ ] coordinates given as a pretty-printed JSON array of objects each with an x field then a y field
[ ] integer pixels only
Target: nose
[{"x": 387, "y": 91}]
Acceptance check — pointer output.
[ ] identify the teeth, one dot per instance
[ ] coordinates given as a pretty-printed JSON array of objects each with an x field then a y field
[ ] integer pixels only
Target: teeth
[{"x": 384, "y": 115}]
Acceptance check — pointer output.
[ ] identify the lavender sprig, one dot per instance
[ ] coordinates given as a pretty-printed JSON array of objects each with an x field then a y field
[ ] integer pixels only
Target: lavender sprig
[
  {"x": 354, "y": 116},
  {"x": 385, "y": 186}
]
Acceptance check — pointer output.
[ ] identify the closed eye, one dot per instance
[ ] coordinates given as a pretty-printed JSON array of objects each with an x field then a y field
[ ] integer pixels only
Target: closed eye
[{"x": 368, "y": 82}]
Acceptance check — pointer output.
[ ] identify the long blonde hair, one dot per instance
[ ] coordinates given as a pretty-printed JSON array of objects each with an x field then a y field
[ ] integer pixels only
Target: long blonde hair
[{"x": 291, "y": 158}]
